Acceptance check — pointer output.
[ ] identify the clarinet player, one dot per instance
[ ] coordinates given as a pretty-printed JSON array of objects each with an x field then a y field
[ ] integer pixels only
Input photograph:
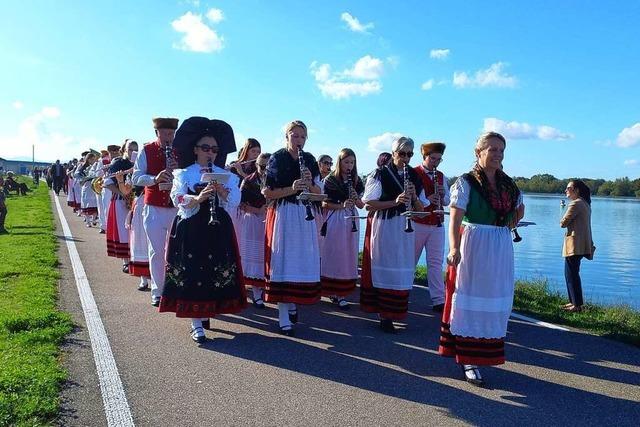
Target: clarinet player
[
  {"x": 154, "y": 171},
  {"x": 430, "y": 233}
]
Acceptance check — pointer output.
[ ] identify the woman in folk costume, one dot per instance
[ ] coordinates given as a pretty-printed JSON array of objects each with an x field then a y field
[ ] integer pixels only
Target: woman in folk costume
[
  {"x": 117, "y": 234},
  {"x": 253, "y": 204},
  {"x": 341, "y": 234},
  {"x": 88, "y": 203},
  {"x": 485, "y": 205},
  {"x": 388, "y": 263},
  {"x": 292, "y": 257},
  {"x": 138, "y": 245},
  {"x": 77, "y": 185},
  {"x": 71, "y": 200},
  {"x": 203, "y": 275},
  {"x": 243, "y": 167}
]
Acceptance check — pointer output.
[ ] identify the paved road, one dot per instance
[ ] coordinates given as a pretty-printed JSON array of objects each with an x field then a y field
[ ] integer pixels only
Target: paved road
[{"x": 339, "y": 370}]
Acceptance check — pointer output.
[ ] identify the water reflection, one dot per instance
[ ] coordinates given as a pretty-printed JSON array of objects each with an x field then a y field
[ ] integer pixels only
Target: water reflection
[{"x": 612, "y": 277}]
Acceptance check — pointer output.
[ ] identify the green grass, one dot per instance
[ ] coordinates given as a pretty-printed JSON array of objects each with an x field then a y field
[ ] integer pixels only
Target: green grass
[
  {"x": 618, "y": 322},
  {"x": 31, "y": 328}
]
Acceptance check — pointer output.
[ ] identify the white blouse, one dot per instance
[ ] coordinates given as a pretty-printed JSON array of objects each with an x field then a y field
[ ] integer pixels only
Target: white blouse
[
  {"x": 373, "y": 191},
  {"x": 185, "y": 180}
]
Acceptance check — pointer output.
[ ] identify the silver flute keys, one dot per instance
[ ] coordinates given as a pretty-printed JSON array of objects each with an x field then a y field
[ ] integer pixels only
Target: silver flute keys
[
  {"x": 306, "y": 203},
  {"x": 350, "y": 189},
  {"x": 407, "y": 203},
  {"x": 213, "y": 202}
]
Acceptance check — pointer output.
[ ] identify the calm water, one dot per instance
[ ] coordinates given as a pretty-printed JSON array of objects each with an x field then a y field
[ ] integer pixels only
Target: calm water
[{"x": 614, "y": 274}]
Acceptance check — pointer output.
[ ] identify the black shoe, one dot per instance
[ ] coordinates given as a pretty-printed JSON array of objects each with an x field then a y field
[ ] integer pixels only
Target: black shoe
[
  {"x": 472, "y": 375},
  {"x": 206, "y": 324},
  {"x": 125, "y": 268},
  {"x": 258, "y": 303},
  {"x": 293, "y": 316},
  {"x": 143, "y": 287},
  {"x": 102, "y": 231},
  {"x": 387, "y": 326},
  {"x": 287, "y": 330},
  {"x": 155, "y": 302},
  {"x": 438, "y": 308}
]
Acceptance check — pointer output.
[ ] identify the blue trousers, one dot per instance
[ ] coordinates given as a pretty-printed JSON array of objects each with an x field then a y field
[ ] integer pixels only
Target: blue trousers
[{"x": 572, "y": 277}]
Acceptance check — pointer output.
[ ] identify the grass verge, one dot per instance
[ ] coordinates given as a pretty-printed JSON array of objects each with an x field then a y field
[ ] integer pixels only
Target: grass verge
[
  {"x": 31, "y": 327},
  {"x": 618, "y": 322}
]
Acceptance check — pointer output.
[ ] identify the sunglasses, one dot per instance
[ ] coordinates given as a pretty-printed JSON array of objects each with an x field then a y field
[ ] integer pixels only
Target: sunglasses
[
  {"x": 408, "y": 154},
  {"x": 206, "y": 148}
]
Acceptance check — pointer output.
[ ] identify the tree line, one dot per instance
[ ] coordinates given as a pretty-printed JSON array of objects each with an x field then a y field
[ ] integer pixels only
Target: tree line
[{"x": 546, "y": 183}]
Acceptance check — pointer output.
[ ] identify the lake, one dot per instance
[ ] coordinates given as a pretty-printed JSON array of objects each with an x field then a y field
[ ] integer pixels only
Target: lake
[{"x": 613, "y": 277}]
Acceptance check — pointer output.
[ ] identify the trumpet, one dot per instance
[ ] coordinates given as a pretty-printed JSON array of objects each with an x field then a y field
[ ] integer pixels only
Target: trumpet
[
  {"x": 436, "y": 192},
  {"x": 350, "y": 189},
  {"x": 306, "y": 203},
  {"x": 213, "y": 201},
  {"x": 407, "y": 203}
]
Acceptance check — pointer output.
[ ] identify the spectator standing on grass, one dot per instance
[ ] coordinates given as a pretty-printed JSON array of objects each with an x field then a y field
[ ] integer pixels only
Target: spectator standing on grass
[
  {"x": 3, "y": 210},
  {"x": 57, "y": 174}
]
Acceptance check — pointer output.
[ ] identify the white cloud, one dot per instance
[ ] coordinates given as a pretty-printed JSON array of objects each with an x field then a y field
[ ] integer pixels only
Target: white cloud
[
  {"x": 382, "y": 142},
  {"x": 215, "y": 15},
  {"x": 439, "y": 53},
  {"x": 517, "y": 130},
  {"x": 18, "y": 105},
  {"x": 198, "y": 36},
  {"x": 362, "y": 79},
  {"x": 631, "y": 162},
  {"x": 494, "y": 76},
  {"x": 354, "y": 24},
  {"x": 51, "y": 143},
  {"x": 629, "y": 137},
  {"x": 428, "y": 85}
]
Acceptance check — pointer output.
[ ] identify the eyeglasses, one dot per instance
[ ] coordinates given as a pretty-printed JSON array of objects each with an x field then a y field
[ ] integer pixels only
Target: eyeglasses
[
  {"x": 408, "y": 154},
  {"x": 206, "y": 148},
  {"x": 434, "y": 159},
  {"x": 261, "y": 165}
]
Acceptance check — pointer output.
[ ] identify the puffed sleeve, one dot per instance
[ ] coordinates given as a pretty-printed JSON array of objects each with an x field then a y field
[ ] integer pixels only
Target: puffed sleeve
[
  {"x": 460, "y": 194},
  {"x": 447, "y": 193},
  {"x": 372, "y": 189},
  {"x": 179, "y": 194}
]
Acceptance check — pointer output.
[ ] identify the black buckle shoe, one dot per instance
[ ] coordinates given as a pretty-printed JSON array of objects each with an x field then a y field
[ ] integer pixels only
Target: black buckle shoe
[
  {"x": 206, "y": 324},
  {"x": 387, "y": 326},
  {"x": 287, "y": 330},
  {"x": 258, "y": 303},
  {"x": 197, "y": 334},
  {"x": 438, "y": 308},
  {"x": 293, "y": 316}
]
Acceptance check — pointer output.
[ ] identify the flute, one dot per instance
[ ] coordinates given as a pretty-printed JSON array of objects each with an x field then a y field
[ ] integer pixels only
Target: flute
[
  {"x": 354, "y": 228},
  {"x": 407, "y": 203},
  {"x": 306, "y": 203},
  {"x": 436, "y": 192},
  {"x": 213, "y": 201}
]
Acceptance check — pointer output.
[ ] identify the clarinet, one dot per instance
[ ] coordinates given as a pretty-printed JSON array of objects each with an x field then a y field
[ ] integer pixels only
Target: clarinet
[
  {"x": 407, "y": 204},
  {"x": 354, "y": 228},
  {"x": 436, "y": 191},
  {"x": 213, "y": 202},
  {"x": 306, "y": 203},
  {"x": 168, "y": 154}
]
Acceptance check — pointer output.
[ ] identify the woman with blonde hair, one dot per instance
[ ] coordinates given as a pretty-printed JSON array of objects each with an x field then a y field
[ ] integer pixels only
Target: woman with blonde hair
[
  {"x": 485, "y": 205},
  {"x": 292, "y": 257},
  {"x": 341, "y": 230}
]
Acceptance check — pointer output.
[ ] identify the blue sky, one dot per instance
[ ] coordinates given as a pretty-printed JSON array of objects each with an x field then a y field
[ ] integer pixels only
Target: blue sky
[{"x": 559, "y": 79}]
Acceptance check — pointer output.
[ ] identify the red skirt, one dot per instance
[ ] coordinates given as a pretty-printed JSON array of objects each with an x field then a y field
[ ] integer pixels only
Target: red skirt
[
  {"x": 117, "y": 235},
  {"x": 388, "y": 303},
  {"x": 466, "y": 350}
]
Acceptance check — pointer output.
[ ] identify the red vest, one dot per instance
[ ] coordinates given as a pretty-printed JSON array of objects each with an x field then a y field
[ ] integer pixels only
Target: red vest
[
  {"x": 427, "y": 184},
  {"x": 156, "y": 162}
]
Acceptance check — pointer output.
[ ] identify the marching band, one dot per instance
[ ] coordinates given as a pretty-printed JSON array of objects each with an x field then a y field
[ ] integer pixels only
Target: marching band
[{"x": 201, "y": 234}]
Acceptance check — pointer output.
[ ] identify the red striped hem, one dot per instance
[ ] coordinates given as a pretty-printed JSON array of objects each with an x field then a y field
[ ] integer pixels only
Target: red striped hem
[
  {"x": 469, "y": 350},
  {"x": 186, "y": 308},
  {"x": 139, "y": 269},
  {"x": 254, "y": 283},
  {"x": 117, "y": 249},
  {"x": 295, "y": 292},
  {"x": 388, "y": 303},
  {"x": 90, "y": 211},
  {"x": 338, "y": 287}
]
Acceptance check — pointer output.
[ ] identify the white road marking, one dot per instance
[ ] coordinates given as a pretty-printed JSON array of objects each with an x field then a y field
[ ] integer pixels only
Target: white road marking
[{"x": 115, "y": 402}]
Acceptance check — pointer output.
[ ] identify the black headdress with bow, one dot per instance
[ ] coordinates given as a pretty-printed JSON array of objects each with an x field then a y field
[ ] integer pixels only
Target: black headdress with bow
[{"x": 193, "y": 129}]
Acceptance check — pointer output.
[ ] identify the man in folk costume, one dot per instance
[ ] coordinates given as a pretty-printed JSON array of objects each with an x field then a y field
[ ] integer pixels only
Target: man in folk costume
[
  {"x": 429, "y": 229},
  {"x": 154, "y": 171}
]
